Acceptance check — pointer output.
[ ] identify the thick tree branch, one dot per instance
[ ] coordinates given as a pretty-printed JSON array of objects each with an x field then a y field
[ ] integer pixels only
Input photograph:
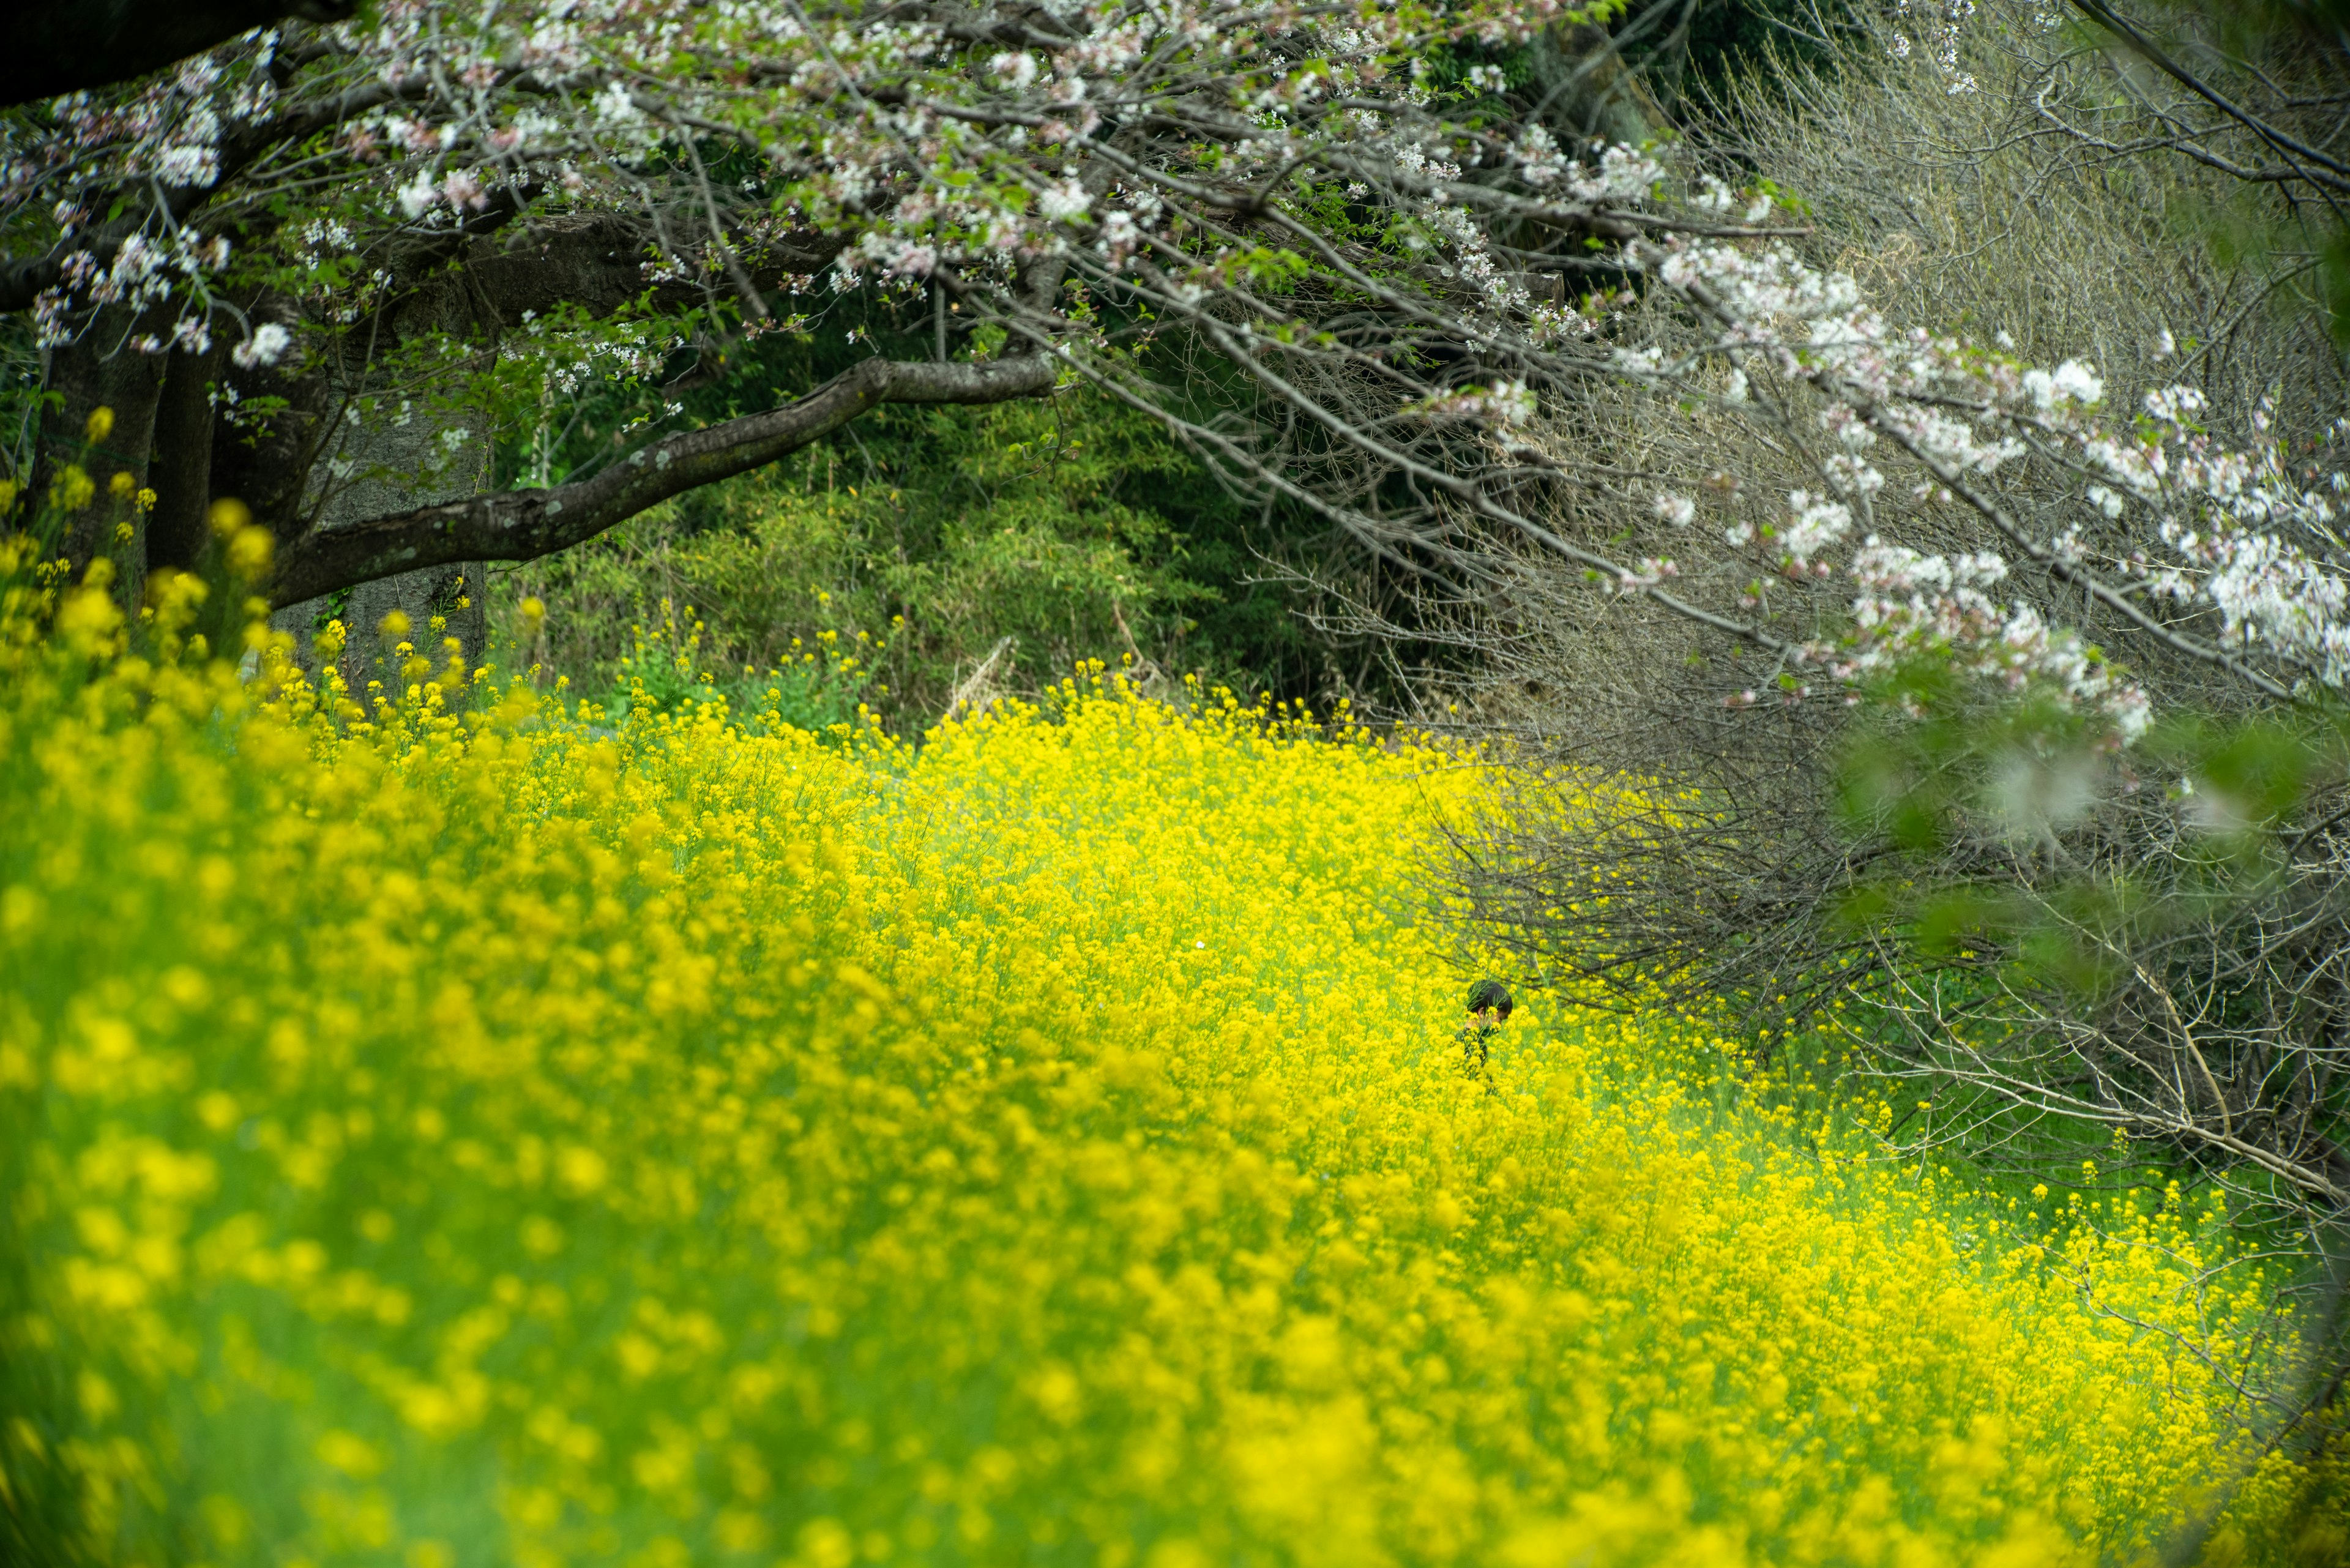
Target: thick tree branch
[{"x": 523, "y": 525}]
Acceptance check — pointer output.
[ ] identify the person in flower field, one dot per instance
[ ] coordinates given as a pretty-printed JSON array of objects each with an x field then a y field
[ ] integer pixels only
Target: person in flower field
[{"x": 1488, "y": 1008}]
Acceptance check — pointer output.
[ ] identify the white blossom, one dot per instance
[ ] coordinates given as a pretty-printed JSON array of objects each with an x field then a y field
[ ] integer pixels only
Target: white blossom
[
  {"x": 1816, "y": 524},
  {"x": 418, "y": 195},
  {"x": 267, "y": 346},
  {"x": 1065, "y": 201},
  {"x": 188, "y": 165},
  {"x": 2070, "y": 381}
]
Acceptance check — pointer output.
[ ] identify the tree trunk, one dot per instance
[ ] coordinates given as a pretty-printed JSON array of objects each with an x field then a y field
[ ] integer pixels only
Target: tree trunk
[
  {"x": 182, "y": 470},
  {"x": 391, "y": 467},
  {"x": 100, "y": 370},
  {"x": 1589, "y": 96}
]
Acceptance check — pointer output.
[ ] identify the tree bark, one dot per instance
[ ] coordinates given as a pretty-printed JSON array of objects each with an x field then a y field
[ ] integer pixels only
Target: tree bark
[
  {"x": 100, "y": 371},
  {"x": 182, "y": 470},
  {"x": 391, "y": 466},
  {"x": 1587, "y": 93}
]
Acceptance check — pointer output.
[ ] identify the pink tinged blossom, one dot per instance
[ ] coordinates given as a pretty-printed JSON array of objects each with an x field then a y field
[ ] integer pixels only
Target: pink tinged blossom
[
  {"x": 1913, "y": 605},
  {"x": 1843, "y": 421},
  {"x": 1818, "y": 523},
  {"x": 1538, "y": 157},
  {"x": 1064, "y": 201},
  {"x": 2174, "y": 405},
  {"x": 265, "y": 346},
  {"x": 1853, "y": 475}
]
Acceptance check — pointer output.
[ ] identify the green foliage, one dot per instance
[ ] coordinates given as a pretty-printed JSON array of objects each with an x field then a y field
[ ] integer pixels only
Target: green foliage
[
  {"x": 1057, "y": 531},
  {"x": 2013, "y": 828},
  {"x": 820, "y": 689}
]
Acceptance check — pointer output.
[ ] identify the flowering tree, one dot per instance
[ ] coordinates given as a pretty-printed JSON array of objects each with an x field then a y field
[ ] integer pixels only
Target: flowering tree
[{"x": 268, "y": 260}]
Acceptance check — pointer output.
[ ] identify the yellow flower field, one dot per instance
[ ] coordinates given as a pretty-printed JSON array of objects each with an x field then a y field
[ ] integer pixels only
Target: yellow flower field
[{"x": 494, "y": 1140}]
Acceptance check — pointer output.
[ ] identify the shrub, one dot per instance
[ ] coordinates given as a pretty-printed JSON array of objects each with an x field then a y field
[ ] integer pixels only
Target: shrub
[{"x": 1044, "y": 534}]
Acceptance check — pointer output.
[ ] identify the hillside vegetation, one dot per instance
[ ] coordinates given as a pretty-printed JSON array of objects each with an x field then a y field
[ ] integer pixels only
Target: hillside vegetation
[{"x": 457, "y": 1138}]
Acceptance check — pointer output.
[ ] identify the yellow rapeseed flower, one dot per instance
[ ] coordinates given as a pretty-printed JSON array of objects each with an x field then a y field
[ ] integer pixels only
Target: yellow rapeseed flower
[
  {"x": 690, "y": 1140},
  {"x": 249, "y": 551},
  {"x": 228, "y": 517},
  {"x": 73, "y": 488}
]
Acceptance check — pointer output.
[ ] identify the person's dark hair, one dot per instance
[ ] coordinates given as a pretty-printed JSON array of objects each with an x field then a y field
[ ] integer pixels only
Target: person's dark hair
[{"x": 1490, "y": 993}]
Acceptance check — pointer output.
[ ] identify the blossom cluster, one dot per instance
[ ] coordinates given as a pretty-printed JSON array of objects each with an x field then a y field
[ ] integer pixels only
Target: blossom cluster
[
  {"x": 2243, "y": 531},
  {"x": 1912, "y": 605},
  {"x": 1504, "y": 402}
]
